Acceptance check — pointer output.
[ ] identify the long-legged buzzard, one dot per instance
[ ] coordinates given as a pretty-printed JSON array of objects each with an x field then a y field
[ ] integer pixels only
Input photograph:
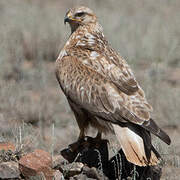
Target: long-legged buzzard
[{"x": 102, "y": 90}]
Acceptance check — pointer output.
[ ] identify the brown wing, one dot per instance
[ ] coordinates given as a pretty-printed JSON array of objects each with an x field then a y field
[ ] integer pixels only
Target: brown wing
[
  {"x": 99, "y": 95},
  {"x": 102, "y": 58}
]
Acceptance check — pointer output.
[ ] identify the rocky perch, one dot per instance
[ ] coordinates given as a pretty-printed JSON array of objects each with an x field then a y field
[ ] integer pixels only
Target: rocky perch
[{"x": 86, "y": 160}]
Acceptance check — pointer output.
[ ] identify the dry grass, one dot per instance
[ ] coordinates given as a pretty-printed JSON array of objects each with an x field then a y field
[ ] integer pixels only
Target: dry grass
[{"x": 147, "y": 33}]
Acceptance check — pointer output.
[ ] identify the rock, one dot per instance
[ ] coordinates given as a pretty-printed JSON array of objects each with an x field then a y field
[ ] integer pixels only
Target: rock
[
  {"x": 39, "y": 176},
  {"x": 68, "y": 154},
  {"x": 35, "y": 163},
  {"x": 89, "y": 174},
  {"x": 57, "y": 161},
  {"x": 95, "y": 155},
  {"x": 7, "y": 146},
  {"x": 81, "y": 177},
  {"x": 58, "y": 175},
  {"x": 119, "y": 167},
  {"x": 89, "y": 151},
  {"x": 9, "y": 170},
  {"x": 71, "y": 169},
  {"x": 76, "y": 168},
  {"x": 93, "y": 173}
]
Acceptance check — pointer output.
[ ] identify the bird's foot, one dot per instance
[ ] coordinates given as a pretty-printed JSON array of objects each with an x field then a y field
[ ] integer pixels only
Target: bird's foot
[
  {"x": 76, "y": 145},
  {"x": 86, "y": 142},
  {"x": 94, "y": 142}
]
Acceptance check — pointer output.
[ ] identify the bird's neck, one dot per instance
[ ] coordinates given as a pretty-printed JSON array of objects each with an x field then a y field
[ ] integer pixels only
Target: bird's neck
[
  {"x": 88, "y": 36},
  {"x": 91, "y": 27},
  {"x": 74, "y": 27}
]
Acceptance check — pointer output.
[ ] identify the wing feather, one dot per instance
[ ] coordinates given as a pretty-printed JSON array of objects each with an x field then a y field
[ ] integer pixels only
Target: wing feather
[
  {"x": 103, "y": 59},
  {"x": 99, "y": 95}
]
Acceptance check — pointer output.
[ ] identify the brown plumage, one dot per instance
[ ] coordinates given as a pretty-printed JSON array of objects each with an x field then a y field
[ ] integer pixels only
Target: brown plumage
[{"x": 102, "y": 90}]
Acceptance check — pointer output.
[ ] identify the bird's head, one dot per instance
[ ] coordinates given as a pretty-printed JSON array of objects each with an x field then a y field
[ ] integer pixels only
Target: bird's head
[{"x": 79, "y": 16}]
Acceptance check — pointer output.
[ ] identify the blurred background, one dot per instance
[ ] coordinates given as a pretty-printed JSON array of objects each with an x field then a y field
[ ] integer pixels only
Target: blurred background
[{"x": 33, "y": 110}]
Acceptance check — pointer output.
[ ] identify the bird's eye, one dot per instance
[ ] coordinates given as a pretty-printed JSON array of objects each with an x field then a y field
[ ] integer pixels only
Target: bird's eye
[{"x": 80, "y": 14}]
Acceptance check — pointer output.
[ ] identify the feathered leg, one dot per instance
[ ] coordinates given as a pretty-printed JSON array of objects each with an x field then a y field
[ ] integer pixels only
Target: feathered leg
[{"x": 82, "y": 121}]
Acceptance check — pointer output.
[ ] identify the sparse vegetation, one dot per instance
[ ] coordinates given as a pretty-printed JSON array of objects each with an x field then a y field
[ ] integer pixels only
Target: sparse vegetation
[{"x": 146, "y": 33}]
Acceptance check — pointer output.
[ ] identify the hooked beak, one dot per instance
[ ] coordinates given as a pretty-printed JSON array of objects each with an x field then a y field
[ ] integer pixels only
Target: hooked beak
[
  {"x": 66, "y": 19},
  {"x": 69, "y": 18}
]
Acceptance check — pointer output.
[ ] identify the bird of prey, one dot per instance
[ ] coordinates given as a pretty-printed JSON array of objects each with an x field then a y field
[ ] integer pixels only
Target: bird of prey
[{"x": 102, "y": 90}]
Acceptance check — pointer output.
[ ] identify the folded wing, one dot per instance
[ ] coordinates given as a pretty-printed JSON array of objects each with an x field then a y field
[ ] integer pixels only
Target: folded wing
[{"x": 102, "y": 98}]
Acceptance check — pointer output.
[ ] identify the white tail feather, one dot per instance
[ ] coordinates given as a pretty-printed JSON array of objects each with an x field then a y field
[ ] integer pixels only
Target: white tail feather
[{"x": 133, "y": 147}]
